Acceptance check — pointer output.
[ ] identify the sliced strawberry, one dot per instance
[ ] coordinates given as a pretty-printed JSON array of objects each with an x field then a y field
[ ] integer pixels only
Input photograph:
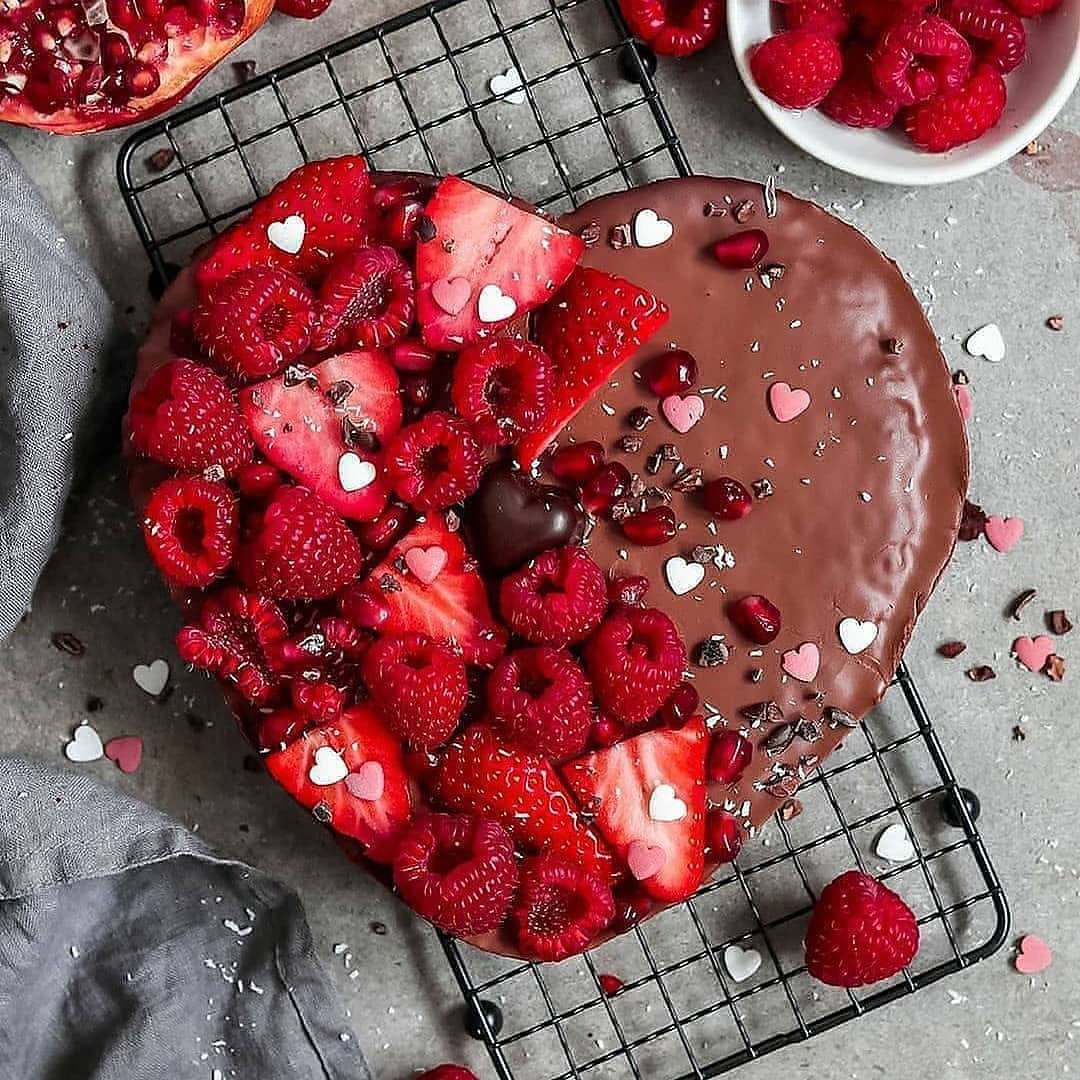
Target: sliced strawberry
[
  {"x": 474, "y": 240},
  {"x": 482, "y": 775},
  {"x": 333, "y": 200},
  {"x": 320, "y": 423},
  {"x": 594, "y": 325},
  {"x": 367, "y": 796},
  {"x": 452, "y": 607},
  {"x": 648, "y": 795}
]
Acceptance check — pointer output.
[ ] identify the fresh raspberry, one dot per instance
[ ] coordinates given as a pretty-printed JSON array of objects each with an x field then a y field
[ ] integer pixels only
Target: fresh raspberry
[
  {"x": 502, "y": 387},
  {"x": 856, "y": 100},
  {"x": 558, "y": 598},
  {"x": 832, "y": 17},
  {"x": 367, "y": 300},
  {"x": 255, "y": 322},
  {"x": 797, "y": 68},
  {"x": 1032, "y": 9},
  {"x": 323, "y": 662},
  {"x": 458, "y": 872},
  {"x": 449, "y": 1072},
  {"x": 185, "y": 416},
  {"x": 919, "y": 57},
  {"x": 435, "y": 462},
  {"x": 420, "y": 686},
  {"x": 959, "y": 117},
  {"x": 190, "y": 529},
  {"x": 860, "y": 932},
  {"x": 560, "y": 908},
  {"x": 297, "y": 548},
  {"x": 674, "y": 27},
  {"x": 540, "y": 699},
  {"x": 873, "y": 17},
  {"x": 237, "y": 636},
  {"x": 636, "y": 659},
  {"x": 998, "y": 32}
]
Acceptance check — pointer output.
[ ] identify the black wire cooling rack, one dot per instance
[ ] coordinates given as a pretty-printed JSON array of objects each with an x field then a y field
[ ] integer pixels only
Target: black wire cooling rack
[{"x": 415, "y": 93}]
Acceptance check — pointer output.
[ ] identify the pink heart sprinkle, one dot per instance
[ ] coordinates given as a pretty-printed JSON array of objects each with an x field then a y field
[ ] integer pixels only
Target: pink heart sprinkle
[
  {"x": 802, "y": 663},
  {"x": 682, "y": 413},
  {"x": 1034, "y": 955},
  {"x": 1033, "y": 652},
  {"x": 451, "y": 294},
  {"x": 367, "y": 783},
  {"x": 644, "y": 861},
  {"x": 126, "y": 751},
  {"x": 964, "y": 401},
  {"x": 787, "y": 403},
  {"x": 1003, "y": 533},
  {"x": 426, "y": 563}
]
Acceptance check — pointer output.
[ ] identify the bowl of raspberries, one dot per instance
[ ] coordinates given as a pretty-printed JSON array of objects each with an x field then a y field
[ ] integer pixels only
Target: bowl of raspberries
[{"x": 908, "y": 91}]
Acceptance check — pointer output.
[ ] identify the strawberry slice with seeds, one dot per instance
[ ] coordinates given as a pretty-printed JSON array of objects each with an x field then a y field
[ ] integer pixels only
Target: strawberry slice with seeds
[
  {"x": 593, "y": 326},
  {"x": 350, "y": 773},
  {"x": 482, "y": 261},
  {"x": 648, "y": 795},
  {"x": 324, "y": 426},
  {"x": 482, "y": 775}
]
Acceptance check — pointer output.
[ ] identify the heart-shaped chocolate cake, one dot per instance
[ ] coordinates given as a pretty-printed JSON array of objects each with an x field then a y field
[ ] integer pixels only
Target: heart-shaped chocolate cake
[{"x": 542, "y": 561}]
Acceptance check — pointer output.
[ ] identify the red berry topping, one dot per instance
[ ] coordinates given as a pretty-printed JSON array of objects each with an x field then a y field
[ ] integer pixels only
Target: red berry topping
[
  {"x": 388, "y": 527},
  {"x": 609, "y": 984},
  {"x": 237, "y": 636},
  {"x": 797, "y": 68},
  {"x": 727, "y": 499},
  {"x": 1032, "y": 9},
  {"x": 628, "y": 591},
  {"x": 397, "y": 227},
  {"x": 723, "y": 836},
  {"x": 435, "y": 462},
  {"x": 652, "y": 527},
  {"x": 671, "y": 372},
  {"x": 674, "y": 27},
  {"x": 860, "y": 932},
  {"x": 449, "y": 1072},
  {"x": 540, "y": 699},
  {"x": 636, "y": 659},
  {"x": 680, "y": 706},
  {"x": 557, "y": 599},
  {"x": 420, "y": 686},
  {"x": 741, "y": 250},
  {"x": 257, "y": 481},
  {"x": 756, "y": 617},
  {"x": 874, "y": 17},
  {"x": 297, "y": 548},
  {"x": 993, "y": 26},
  {"x": 729, "y": 757},
  {"x": 831, "y": 17},
  {"x": 920, "y": 56},
  {"x": 560, "y": 908},
  {"x": 607, "y": 731},
  {"x": 605, "y": 487},
  {"x": 457, "y": 871},
  {"x": 502, "y": 388},
  {"x": 186, "y": 417},
  {"x": 856, "y": 100},
  {"x": 413, "y": 356},
  {"x": 367, "y": 300},
  {"x": 418, "y": 390},
  {"x": 255, "y": 322},
  {"x": 576, "y": 463},
  {"x": 631, "y": 906},
  {"x": 279, "y": 728},
  {"x": 953, "y": 119},
  {"x": 363, "y": 607},
  {"x": 190, "y": 529}
]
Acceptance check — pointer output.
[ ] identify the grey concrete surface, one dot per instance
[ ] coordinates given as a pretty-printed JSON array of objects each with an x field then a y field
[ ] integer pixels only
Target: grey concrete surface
[{"x": 1003, "y": 248}]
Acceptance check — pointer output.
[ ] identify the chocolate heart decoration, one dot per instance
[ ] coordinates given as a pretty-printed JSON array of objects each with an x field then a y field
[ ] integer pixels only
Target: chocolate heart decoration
[{"x": 511, "y": 519}]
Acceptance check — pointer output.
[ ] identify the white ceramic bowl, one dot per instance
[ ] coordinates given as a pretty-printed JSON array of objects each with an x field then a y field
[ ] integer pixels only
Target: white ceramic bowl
[{"x": 1037, "y": 91}]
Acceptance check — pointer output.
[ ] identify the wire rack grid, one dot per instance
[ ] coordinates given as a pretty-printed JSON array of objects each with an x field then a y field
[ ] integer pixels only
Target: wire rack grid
[{"x": 414, "y": 93}]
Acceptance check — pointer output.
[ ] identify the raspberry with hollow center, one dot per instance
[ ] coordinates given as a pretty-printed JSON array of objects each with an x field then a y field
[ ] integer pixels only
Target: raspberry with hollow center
[
  {"x": 856, "y": 100},
  {"x": 797, "y": 68},
  {"x": 920, "y": 56},
  {"x": 832, "y": 17},
  {"x": 994, "y": 26},
  {"x": 190, "y": 529},
  {"x": 962, "y": 116},
  {"x": 434, "y": 462},
  {"x": 674, "y": 27}
]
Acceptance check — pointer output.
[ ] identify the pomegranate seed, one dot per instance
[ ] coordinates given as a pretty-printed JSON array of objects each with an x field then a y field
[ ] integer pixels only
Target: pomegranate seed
[
  {"x": 417, "y": 389},
  {"x": 399, "y": 224},
  {"x": 394, "y": 192},
  {"x": 741, "y": 250},
  {"x": 630, "y": 909},
  {"x": 257, "y": 480},
  {"x": 421, "y": 765},
  {"x": 680, "y": 706},
  {"x": 379, "y": 534},
  {"x": 609, "y": 984},
  {"x": 609, "y": 484},
  {"x": 628, "y": 591},
  {"x": 651, "y": 527},
  {"x": 723, "y": 834},
  {"x": 606, "y": 731},
  {"x": 757, "y": 618},
  {"x": 365, "y": 609},
  {"x": 727, "y": 499},
  {"x": 729, "y": 757},
  {"x": 576, "y": 463},
  {"x": 413, "y": 356},
  {"x": 670, "y": 373}
]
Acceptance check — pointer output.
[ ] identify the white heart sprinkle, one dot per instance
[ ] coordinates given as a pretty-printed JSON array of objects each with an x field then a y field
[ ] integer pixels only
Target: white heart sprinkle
[
  {"x": 287, "y": 235},
  {"x": 987, "y": 342},
  {"x": 328, "y": 767},
  {"x": 507, "y": 86},
  {"x": 85, "y": 745},
  {"x": 354, "y": 473},
  {"x": 152, "y": 678},
  {"x": 683, "y": 576},
  {"x": 856, "y": 636},
  {"x": 665, "y": 805},
  {"x": 894, "y": 844},
  {"x": 493, "y": 305},
  {"x": 651, "y": 230},
  {"x": 741, "y": 963}
]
